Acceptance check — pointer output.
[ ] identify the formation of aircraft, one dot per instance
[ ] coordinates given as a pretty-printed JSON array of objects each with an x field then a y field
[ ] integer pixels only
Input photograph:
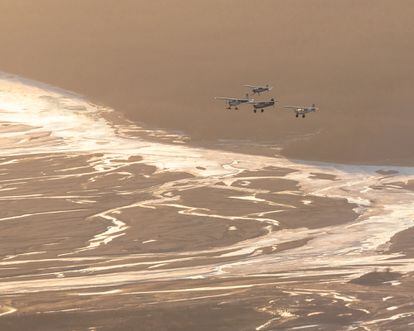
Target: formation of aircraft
[{"x": 261, "y": 105}]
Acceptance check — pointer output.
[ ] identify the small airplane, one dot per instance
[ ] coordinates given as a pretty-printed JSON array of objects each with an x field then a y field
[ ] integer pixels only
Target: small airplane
[
  {"x": 302, "y": 111},
  {"x": 234, "y": 102},
  {"x": 262, "y": 104},
  {"x": 259, "y": 89}
]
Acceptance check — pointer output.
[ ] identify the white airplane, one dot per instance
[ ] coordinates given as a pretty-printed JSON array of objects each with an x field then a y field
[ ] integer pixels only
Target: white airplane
[
  {"x": 302, "y": 111},
  {"x": 259, "y": 89},
  {"x": 234, "y": 102},
  {"x": 262, "y": 104}
]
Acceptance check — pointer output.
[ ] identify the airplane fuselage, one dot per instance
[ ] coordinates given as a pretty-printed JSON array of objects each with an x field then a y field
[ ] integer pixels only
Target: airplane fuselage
[
  {"x": 234, "y": 103},
  {"x": 264, "y": 104},
  {"x": 302, "y": 111},
  {"x": 259, "y": 90}
]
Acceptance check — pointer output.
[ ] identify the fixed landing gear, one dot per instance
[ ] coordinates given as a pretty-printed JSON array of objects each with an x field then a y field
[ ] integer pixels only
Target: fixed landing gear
[{"x": 255, "y": 110}]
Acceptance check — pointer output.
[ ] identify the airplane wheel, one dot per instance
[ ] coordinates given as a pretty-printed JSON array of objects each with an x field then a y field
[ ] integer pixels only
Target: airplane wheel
[
  {"x": 262, "y": 110},
  {"x": 303, "y": 116},
  {"x": 237, "y": 108},
  {"x": 297, "y": 115},
  {"x": 254, "y": 110}
]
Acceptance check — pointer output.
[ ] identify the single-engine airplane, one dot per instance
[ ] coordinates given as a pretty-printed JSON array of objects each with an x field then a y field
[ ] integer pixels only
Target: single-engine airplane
[
  {"x": 259, "y": 89},
  {"x": 262, "y": 104},
  {"x": 235, "y": 102},
  {"x": 302, "y": 111}
]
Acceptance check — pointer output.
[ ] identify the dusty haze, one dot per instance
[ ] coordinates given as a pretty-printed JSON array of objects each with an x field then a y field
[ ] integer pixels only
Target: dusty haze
[
  {"x": 162, "y": 62},
  {"x": 108, "y": 224}
]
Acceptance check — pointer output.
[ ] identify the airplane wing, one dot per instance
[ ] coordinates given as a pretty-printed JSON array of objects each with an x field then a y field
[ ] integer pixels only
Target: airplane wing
[
  {"x": 225, "y": 98},
  {"x": 292, "y": 107},
  {"x": 251, "y": 86}
]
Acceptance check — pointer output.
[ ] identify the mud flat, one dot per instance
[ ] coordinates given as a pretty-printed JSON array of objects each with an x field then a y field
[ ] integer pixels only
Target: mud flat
[{"x": 104, "y": 228}]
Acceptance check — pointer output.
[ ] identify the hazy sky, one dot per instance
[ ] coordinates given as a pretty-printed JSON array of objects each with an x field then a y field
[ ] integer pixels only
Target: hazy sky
[{"x": 162, "y": 62}]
